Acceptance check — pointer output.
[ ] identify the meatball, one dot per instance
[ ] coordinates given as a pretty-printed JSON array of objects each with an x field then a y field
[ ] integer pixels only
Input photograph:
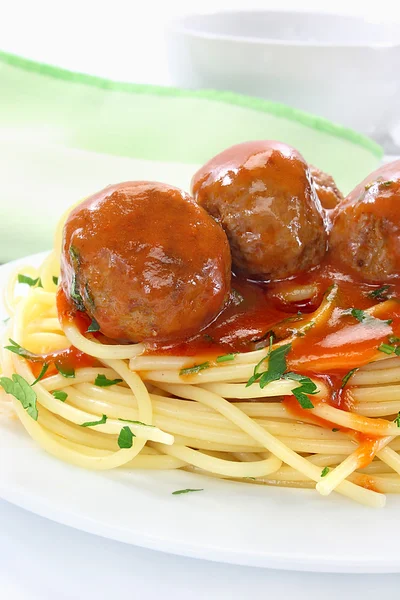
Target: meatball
[
  {"x": 326, "y": 188},
  {"x": 365, "y": 235},
  {"x": 146, "y": 262},
  {"x": 261, "y": 193}
]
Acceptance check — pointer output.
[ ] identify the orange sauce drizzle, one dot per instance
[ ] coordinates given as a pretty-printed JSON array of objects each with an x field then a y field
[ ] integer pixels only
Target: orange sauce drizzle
[{"x": 327, "y": 350}]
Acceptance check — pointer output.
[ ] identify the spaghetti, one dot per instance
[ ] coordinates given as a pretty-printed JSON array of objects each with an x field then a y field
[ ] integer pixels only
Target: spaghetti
[
  {"x": 191, "y": 421},
  {"x": 294, "y": 384}
]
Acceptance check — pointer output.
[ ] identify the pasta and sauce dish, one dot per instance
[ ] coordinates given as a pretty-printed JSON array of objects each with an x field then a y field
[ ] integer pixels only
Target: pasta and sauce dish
[{"x": 248, "y": 331}]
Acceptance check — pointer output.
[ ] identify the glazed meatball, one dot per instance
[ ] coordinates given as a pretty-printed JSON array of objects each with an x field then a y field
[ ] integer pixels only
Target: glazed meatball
[
  {"x": 326, "y": 188},
  {"x": 261, "y": 193},
  {"x": 365, "y": 235},
  {"x": 146, "y": 262}
]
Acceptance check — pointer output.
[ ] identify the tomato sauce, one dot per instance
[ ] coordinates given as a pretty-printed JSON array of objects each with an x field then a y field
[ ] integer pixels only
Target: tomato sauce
[
  {"x": 326, "y": 349},
  {"x": 70, "y": 358}
]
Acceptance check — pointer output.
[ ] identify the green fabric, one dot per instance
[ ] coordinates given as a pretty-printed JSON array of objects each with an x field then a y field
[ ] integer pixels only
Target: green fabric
[{"x": 61, "y": 131}]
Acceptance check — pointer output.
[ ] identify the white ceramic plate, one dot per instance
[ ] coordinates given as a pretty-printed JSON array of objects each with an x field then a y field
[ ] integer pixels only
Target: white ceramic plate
[{"x": 230, "y": 522}]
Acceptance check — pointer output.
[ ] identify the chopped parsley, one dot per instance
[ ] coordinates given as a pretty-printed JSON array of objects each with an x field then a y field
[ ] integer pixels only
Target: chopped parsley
[
  {"x": 42, "y": 373},
  {"x": 65, "y": 371},
  {"x": 102, "y": 381},
  {"x": 22, "y": 391},
  {"x": 195, "y": 369},
  {"x": 380, "y": 294},
  {"x": 347, "y": 376},
  {"x": 256, "y": 373},
  {"x": 386, "y": 348},
  {"x": 277, "y": 370},
  {"x": 29, "y": 280},
  {"x": 17, "y": 349},
  {"x": 55, "y": 280},
  {"x": 94, "y": 423},
  {"x": 94, "y": 326},
  {"x": 392, "y": 348},
  {"x": 74, "y": 255},
  {"x": 225, "y": 358},
  {"x": 324, "y": 471},
  {"x": 75, "y": 294},
  {"x": 125, "y": 438},
  {"x": 363, "y": 317},
  {"x": 187, "y": 491},
  {"x": 387, "y": 183},
  {"x": 335, "y": 429},
  {"x": 397, "y": 420},
  {"x": 301, "y": 393},
  {"x": 136, "y": 422},
  {"x": 60, "y": 395},
  {"x": 276, "y": 365}
]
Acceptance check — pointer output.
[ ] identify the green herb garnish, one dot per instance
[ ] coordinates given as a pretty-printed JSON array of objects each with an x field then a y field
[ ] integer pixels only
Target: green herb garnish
[
  {"x": 102, "y": 381},
  {"x": 187, "y": 491},
  {"x": 276, "y": 370},
  {"x": 75, "y": 295},
  {"x": 74, "y": 255},
  {"x": 225, "y": 358},
  {"x": 347, "y": 376},
  {"x": 55, "y": 280},
  {"x": 29, "y": 280},
  {"x": 22, "y": 391},
  {"x": 276, "y": 365},
  {"x": 364, "y": 317},
  {"x": 324, "y": 471},
  {"x": 301, "y": 393},
  {"x": 94, "y": 423},
  {"x": 387, "y": 183},
  {"x": 195, "y": 369},
  {"x": 60, "y": 395},
  {"x": 136, "y": 422},
  {"x": 17, "y": 349},
  {"x": 256, "y": 373},
  {"x": 386, "y": 348},
  {"x": 41, "y": 374},
  {"x": 335, "y": 429},
  {"x": 380, "y": 293},
  {"x": 94, "y": 326},
  {"x": 125, "y": 438},
  {"x": 397, "y": 420},
  {"x": 358, "y": 314},
  {"x": 65, "y": 371}
]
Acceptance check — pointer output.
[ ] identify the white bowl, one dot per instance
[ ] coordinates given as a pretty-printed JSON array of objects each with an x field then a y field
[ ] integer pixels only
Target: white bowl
[{"x": 344, "y": 68}]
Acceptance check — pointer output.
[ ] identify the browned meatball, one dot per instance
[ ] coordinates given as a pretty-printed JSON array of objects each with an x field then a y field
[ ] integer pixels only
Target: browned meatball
[
  {"x": 365, "y": 235},
  {"x": 261, "y": 193},
  {"x": 146, "y": 262},
  {"x": 326, "y": 188}
]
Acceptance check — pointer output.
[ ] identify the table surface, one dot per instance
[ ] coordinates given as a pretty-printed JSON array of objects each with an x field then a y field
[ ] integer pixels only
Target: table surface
[{"x": 43, "y": 560}]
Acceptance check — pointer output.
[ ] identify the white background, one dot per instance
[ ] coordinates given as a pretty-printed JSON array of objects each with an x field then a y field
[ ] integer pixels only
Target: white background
[{"x": 41, "y": 560}]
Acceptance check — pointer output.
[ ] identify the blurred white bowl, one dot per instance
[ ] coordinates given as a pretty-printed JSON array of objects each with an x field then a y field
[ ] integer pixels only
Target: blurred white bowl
[{"x": 344, "y": 68}]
